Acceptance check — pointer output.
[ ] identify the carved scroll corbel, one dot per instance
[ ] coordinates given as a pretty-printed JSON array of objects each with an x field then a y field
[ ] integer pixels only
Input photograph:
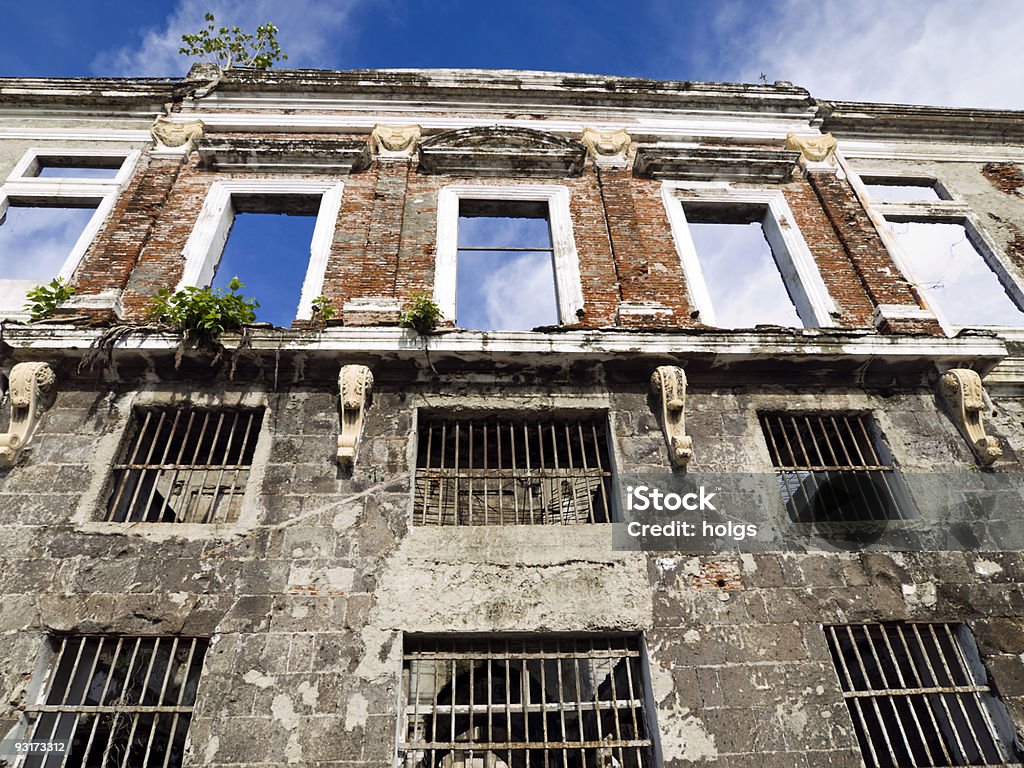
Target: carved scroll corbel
[
  {"x": 962, "y": 390},
  {"x": 355, "y": 383},
  {"x": 668, "y": 383},
  {"x": 31, "y": 392}
]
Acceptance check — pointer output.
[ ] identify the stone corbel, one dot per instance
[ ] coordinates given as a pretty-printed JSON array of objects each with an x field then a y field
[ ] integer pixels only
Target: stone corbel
[
  {"x": 608, "y": 148},
  {"x": 395, "y": 141},
  {"x": 668, "y": 383},
  {"x": 817, "y": 153},
  {"x": 964, "y": 395},
  {"x": 355, "y": 383},
  {"x": 31, "y": 392},
  {"x": 175, "y": 138}
]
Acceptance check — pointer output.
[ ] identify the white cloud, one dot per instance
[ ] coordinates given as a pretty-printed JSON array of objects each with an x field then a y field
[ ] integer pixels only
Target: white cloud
[
  {"x": 940, "y": 52},
  {"x": 312, "y": 33}
]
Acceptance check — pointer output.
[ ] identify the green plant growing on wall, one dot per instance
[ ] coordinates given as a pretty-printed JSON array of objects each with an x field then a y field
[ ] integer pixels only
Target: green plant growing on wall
[
  {"x": 421, "y": 314},
  {"x": 42, "y": 300},
  {"x": 203, "y": 314},
  {"x": 323, "y": 311},
  {"x": 230, "y": 47}
]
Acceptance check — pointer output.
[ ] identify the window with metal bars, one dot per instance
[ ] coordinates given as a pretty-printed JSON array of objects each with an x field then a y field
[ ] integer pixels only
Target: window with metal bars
[
  {"x": 834, "y": 467},
  {"x": 918, "y": 696},
  {"x": 557, "y": 702},
  {"x": 116, "y": 701},
  {"x": 184, "y": 465},
  {"x": 493, "y": 471}
]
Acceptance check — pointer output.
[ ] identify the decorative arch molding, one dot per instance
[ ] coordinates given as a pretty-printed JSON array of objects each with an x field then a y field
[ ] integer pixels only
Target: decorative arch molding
[{"x": 501, "y": 151}]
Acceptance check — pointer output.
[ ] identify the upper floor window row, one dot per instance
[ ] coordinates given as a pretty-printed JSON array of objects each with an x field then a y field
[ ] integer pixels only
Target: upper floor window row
[{"x": 506, "y": 254}]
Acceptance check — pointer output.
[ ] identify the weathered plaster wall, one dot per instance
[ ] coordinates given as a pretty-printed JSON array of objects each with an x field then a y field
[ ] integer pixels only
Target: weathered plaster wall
[{"x": 308, "y": 608}]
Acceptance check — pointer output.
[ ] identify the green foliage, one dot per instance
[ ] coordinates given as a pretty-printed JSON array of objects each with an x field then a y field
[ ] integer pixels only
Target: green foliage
[
  {"x": 323, "y": 310},
  {"x": 422, "y": 314},
  {"x": 204, "y": 313},
  {"x": 231, "y": 47},
  {"x": 43, "y": 299}
]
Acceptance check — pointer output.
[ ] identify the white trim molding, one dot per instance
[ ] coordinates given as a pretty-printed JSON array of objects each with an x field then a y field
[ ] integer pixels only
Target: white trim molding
[
  {"x": 27, "y": 169},
  {"x": 205, "y": 245},
  {"x": 568, "y": 286},
  {"x": 793, "y": 257}
]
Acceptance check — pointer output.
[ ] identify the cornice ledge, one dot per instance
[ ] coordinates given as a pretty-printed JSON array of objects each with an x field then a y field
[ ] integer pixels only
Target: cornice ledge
[
  {"x": 284, "y": 155},
  {"x": 501, "y": 150},
  {"x": 715, "y": 163}
]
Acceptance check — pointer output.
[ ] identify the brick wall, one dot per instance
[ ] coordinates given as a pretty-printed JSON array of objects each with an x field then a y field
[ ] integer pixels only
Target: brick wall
[{"x": 384, "y": 242}]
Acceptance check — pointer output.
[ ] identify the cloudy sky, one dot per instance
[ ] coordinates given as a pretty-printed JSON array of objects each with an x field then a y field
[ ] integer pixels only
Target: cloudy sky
[{"x": 934, "y": 51}]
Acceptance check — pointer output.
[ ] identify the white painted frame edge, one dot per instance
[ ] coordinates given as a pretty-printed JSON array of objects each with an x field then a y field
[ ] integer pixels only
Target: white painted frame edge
[
  {"x": 793, "y": 257},
  {"x": 939, "y": 211},
  {"x": 203, "y": 250},
  {"x": 29, "y": 162},
  {"x": 568, "y": 284},
  {"x": 103, "y": 195}
]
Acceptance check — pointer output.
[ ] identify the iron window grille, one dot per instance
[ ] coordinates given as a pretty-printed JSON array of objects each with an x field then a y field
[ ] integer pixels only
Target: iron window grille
[
  {"x": 116, "y": 701},
  {"x": 918, "y": 696},
  {"x": 513, "y": 702},
  {"x": 834, "y": 467},
  {"x": 512, "y": 472},
  {"x": 184, "y": 465}
]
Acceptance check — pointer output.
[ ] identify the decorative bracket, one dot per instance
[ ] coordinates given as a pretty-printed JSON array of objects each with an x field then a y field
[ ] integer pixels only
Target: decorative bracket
[
  {"x": 668, "y": 382},
  {"x": 964, "y": 395},
  {"x": 607, "y": 147},
  {"x": 817, "y": 153},
  {"x": 174, "y": 137},
  {"x": 395, "y": 141},
  {"x": 31, "y": 392},
  {"x": 355, "y": 383}
]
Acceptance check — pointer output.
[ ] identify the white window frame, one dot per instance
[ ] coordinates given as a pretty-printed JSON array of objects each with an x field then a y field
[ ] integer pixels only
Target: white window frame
[
  {"x": 27, "y": 168},
  {"x": 205, "y": 246},
  {"x": 568, "y": 285},
  {"x": 950, "y": 210},
  {"x": 792, "y": 256}
]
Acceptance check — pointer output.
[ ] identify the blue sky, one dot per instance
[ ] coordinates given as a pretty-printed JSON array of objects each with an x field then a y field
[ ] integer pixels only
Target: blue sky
[{"x": 936, "y": 51}]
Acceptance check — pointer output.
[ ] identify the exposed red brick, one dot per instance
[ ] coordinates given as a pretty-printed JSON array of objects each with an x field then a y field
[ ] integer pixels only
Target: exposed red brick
[{"x": 1006, "y": 177}]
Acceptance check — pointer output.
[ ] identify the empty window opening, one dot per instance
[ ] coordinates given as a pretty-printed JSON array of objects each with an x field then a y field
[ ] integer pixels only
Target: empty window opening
[
  {"x": 505, "y": 275},
  {"x": 834, "y": 468},
  {"x": 543, "y": 701},
  {"x": 953, "y": 274},
  {"x": 740, "y": 267},
  {"x": 117, "y": 701},
  {"x": 919, "y": 696},
  {"x": 36, "y": 238},
  {"x": 902, "y": 189},
  {"x": 75, "y": 167},
  {"x": 184, "y": 465},
  {"x": 512, "y": 472},
  {"x": 268, "y": 250}
]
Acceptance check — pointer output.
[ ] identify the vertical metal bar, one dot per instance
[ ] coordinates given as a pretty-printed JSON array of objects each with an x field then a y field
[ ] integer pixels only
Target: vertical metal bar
[
  {"x": 218, "y": 486},
  {"x": 854, "y": 703},
  {"x": 158, "y": 471},
  {"x": 959, "y": 699},
  {"x": 142, "y": 476},
  {"x": 103, "y": 693},
  {"x": 601, "y": 469},
  {"x": 126, "y": 472},
  {"x": 178, "y": 459},
  {"x": 458, "y": 471},
  {"x": 924, "y": 699},
  {"x": 443, "y": 475},
  {"x": 529, "y": 472},
  {"x": 902, "y": 683},
  {"x": 887, "y": 685},
  {"x": 180, "y": 703},
  {"x": 935, "y": 681},
  {"x": 970, "y": 679},
  {"x": 877, "y": 461}
]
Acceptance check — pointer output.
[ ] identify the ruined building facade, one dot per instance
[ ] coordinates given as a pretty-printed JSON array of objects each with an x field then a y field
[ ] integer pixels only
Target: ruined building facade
[{"x": 340, "y": 542}]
